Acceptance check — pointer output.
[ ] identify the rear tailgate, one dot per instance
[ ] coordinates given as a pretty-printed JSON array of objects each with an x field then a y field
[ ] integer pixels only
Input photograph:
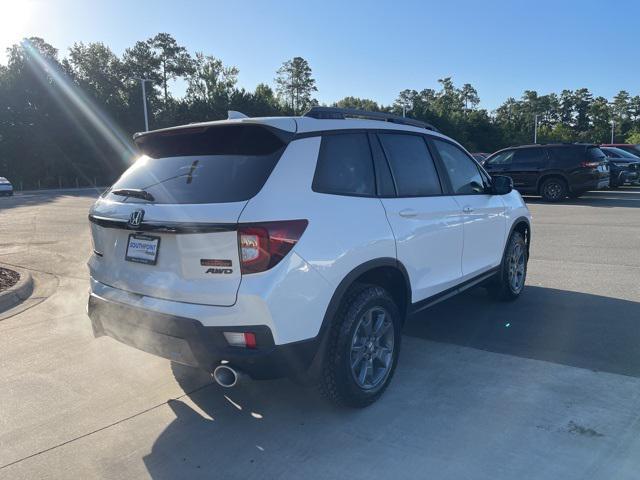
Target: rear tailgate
[
  {"x": 168, "y": 226},
  {"x": 597, "y": 162},
  {"x": 195, "y": 258}
]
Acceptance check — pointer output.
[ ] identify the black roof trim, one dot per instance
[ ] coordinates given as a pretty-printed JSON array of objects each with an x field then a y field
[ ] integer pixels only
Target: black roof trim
[
  {"x": 335, "y": 113},
  {"x": 556, "y": 144}
]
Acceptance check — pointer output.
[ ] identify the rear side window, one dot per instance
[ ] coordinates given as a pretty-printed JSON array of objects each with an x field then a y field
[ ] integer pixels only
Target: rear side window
[
  {"x": 464, "y": 174},
  {"x": 529, "y": 156},
  {"x": 565, "y": 155},
  {"x": 411, "y": 164},
  {"x": 345, "y": 166},
  {"x": 202, "y": 165}
]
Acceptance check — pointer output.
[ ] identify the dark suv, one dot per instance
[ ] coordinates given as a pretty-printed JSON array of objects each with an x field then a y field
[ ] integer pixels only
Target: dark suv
[{"x": 553, "y": 171}]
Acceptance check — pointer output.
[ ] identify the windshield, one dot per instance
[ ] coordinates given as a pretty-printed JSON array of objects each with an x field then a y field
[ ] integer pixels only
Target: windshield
[
  {"x": 619, "y": 153},
  {"x": 632, "y": 149}
]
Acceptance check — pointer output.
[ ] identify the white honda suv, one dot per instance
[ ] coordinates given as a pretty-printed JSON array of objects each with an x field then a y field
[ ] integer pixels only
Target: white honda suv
[{"x": 297, "y": 246}]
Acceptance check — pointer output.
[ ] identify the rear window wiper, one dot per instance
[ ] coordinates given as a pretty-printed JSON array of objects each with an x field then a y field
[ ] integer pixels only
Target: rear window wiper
[{"x": 134, "y": 192}]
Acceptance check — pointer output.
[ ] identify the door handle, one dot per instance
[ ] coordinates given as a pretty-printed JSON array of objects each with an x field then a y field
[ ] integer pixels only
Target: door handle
[
  {"x": 407, "y": 213},
  {"x": 467, "y": 209}
]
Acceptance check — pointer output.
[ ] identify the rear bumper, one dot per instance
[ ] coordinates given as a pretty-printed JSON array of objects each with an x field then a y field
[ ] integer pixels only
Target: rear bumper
[
  {"x": 188, "y": 342},
  {"x": 594, "y": 183}
]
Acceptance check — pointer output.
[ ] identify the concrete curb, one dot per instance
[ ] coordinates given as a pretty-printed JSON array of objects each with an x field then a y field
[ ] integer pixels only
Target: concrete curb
[{"x": 19, "y": 292}]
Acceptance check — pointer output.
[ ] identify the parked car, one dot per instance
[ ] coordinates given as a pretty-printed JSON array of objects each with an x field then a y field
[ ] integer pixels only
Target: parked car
[
  {"x": 553, "y": 171},
  {"x": 480, "y": 157},
  {"x": 634, "y": 149},
  {"x": 624, "y": 167},
  {"x": 5, "y": 187},
  {"x": 297, "y": 246}
]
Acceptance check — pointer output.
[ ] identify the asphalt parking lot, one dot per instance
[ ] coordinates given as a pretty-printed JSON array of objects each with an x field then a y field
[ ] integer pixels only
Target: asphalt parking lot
[{"x": 545, "y": 387}]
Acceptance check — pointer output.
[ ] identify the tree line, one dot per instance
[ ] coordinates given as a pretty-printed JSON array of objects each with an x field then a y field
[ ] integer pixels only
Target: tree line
[{"x": 68, "y": 121}]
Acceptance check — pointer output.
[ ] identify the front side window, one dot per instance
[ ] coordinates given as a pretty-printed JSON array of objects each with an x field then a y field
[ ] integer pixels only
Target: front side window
[
  {"x": 463, "y": 172},
  {"x": 345, "y": 166},
  {"x": 502, "y": 159},
  {"x": 411, "y": 164}
]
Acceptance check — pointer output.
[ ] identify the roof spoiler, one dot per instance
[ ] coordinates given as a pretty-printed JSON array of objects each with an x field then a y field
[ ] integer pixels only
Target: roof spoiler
[
  {"x": 335, "y": 113},
  {"x": 233, "y": 115}
]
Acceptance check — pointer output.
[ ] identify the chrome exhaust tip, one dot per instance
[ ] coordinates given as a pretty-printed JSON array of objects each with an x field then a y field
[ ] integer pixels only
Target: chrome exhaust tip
[{"x": 226, "y": 376}]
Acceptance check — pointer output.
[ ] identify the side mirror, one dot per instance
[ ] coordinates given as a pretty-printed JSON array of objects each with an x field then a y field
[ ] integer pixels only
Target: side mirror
[{"x": 501, "y": 185}]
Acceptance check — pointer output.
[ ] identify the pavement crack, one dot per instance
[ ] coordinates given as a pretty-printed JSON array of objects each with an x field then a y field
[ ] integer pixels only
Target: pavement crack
[{"x": 113, "y": 424}]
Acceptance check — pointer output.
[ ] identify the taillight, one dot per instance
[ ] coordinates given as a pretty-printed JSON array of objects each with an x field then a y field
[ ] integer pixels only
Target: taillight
[
  {"x": 590, "y": 164},
  {"x": 263, "y": 245}
]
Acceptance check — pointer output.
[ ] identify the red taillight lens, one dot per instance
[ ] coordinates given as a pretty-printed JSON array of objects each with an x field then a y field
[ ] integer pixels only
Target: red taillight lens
[
  {"x": 590, "y": 164},
  {"x": 263, "y": 245}
]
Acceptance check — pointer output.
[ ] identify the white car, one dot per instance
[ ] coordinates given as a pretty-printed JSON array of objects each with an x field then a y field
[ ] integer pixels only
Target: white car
[
  {"x": 5, "y": 187},
  {"x": 297, "y": 246}
]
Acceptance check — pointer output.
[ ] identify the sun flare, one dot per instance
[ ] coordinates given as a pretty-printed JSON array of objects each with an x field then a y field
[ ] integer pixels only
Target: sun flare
[{"x": 15, "y": 16}]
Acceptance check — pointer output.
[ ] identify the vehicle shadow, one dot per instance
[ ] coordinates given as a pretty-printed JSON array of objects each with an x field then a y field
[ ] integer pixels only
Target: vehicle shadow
[
  {"x": 277, "y": 429},
  {"x": 621, "y": 197},
  {"x": 570, "y": 328}
]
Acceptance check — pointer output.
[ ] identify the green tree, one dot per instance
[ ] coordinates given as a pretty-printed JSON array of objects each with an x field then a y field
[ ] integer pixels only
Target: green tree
[
  {"x": 633, "y": 137},
  {"x": 469, "y": 97},
  {"x": 98, "y": 72},
  {"x": 358, "y": 103},
  {"x": 174, "y": 59},
  {"x": 295, "y": 84},
  {"x": 210, "y": 80}
]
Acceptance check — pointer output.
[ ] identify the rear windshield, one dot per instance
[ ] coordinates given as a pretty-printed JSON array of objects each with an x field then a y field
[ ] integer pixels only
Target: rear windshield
[
  {"x": 595, "y": 153},
  {"x": 202, "y": 165}
]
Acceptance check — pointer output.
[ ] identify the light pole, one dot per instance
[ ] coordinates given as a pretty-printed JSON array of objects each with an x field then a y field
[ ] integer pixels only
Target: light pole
[
  {"x": 143, "y": 82},
  {"x": 613, "y": 128},
  {"x": 535, "y": 129},
  {"x": 612, "y": 107}
]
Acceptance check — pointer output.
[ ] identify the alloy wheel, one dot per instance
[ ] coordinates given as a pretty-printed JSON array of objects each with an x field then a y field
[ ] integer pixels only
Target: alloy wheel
[
  {"x": 517, "y": 268},
  {"x": 372, "y": 347}
]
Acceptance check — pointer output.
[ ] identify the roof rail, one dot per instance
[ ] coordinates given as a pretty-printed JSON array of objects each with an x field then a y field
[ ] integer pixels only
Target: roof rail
[{"x": 336, "y": 113}]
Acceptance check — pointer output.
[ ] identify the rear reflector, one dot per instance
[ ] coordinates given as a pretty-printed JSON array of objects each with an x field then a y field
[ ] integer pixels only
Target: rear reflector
[
  {"x": 241, "y": 339},
  {"x": 263, "y": 245}
]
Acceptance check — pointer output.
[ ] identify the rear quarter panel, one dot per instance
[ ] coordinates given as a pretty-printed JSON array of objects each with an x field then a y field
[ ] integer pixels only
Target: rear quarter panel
[{"x": 343, "y": 232}]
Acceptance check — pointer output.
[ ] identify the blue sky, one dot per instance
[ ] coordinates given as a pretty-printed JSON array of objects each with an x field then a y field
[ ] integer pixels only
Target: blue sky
[{"x": 370, "y": 49}]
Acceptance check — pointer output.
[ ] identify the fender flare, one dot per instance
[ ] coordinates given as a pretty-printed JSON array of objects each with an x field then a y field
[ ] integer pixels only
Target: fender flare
[
  {"x": 341, "y": 290},
  {"x": 519, "y": 220}
]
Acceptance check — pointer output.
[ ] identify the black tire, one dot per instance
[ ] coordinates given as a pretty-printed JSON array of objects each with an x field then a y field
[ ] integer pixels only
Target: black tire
[
  {"x": 613, "y": 186},
  {"x": 553, "y": 189},
  {"x": 503, "y": 287},
  {"x": 337, "y": 380}
]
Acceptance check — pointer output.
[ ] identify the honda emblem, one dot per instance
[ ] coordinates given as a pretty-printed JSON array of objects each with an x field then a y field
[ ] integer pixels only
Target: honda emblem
[{"x": 136, "y": 217}]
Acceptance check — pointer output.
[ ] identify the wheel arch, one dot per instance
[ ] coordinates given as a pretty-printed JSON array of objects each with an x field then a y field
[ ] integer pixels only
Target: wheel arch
[
  {"x": 386, "y": 272},
  {"x": 522, "y": 225},
  {"x": 370, "y": 271}
]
